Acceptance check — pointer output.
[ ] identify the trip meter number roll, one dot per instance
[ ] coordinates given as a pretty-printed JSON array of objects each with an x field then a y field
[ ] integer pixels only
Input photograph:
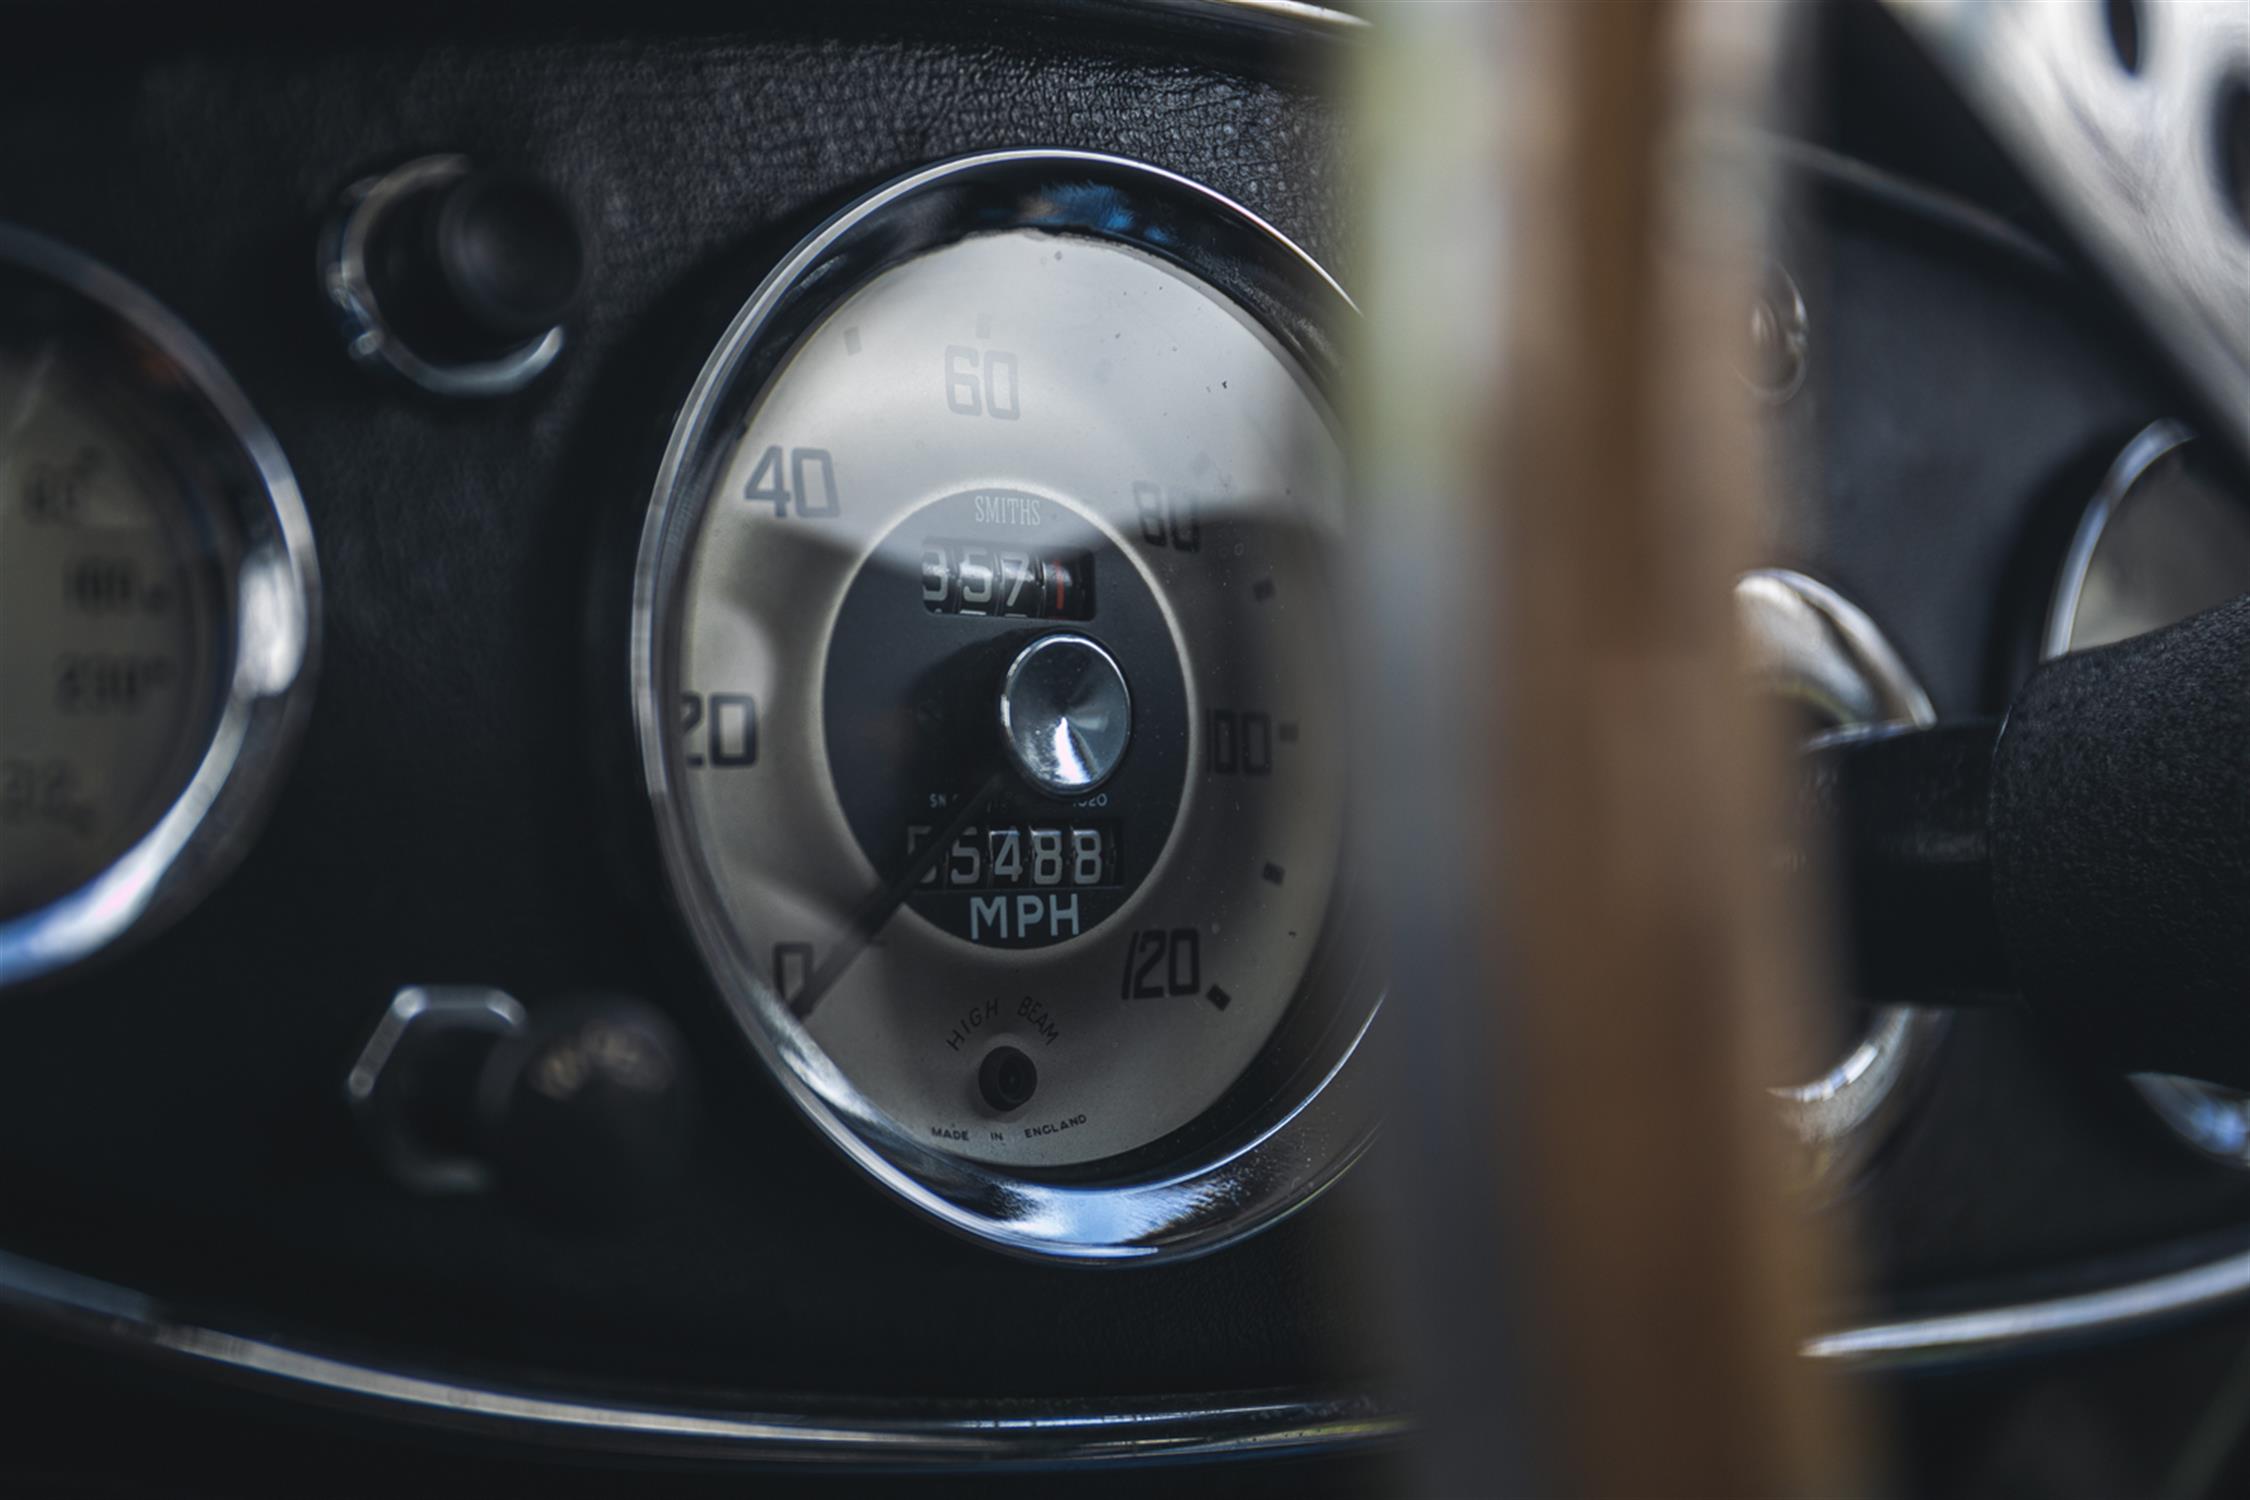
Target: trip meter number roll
[{"x": 987, "y": 682}]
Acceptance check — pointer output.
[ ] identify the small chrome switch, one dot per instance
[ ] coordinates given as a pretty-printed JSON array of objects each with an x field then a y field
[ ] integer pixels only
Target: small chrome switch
[{"x": 453, "y": 277}]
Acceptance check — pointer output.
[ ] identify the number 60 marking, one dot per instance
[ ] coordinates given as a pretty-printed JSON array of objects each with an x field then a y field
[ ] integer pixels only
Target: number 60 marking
[{"x": 981, "y": 385}]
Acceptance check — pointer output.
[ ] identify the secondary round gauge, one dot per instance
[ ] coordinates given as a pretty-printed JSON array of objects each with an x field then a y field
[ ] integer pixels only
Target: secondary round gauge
[
  {"x": 156, "y": 617},
  {"x": 986, "y": 678},
  {"x": 2163, "y": 538}
]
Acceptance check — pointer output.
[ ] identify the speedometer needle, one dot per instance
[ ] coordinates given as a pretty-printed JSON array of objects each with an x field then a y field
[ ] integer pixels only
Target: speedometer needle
[{"x": 876, "y": 911}]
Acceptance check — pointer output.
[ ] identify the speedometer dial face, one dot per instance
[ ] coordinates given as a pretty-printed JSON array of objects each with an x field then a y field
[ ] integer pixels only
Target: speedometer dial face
[
  {"x": 1134, "y": 943},
  {"x": 993, "y": 669}
]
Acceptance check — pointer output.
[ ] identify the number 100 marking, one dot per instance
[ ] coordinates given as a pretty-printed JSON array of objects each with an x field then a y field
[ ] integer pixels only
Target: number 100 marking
[{"x": 1241, "y": 743}]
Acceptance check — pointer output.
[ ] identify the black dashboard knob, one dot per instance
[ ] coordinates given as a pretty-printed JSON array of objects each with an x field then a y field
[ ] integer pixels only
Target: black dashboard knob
[
  {"x": 508, "y": 255},
  {"x": 458, "y": 278},
  {"x": 584, "y": 1114},
  {"x": 476, "y": 265}
]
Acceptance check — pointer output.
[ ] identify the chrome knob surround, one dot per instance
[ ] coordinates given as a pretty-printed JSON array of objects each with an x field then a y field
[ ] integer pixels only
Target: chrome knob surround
[{"x": 1065, "y": 714}]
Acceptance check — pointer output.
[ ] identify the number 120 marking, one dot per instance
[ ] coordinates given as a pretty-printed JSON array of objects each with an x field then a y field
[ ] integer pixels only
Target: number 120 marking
[{"x": 1160, "y": 963}]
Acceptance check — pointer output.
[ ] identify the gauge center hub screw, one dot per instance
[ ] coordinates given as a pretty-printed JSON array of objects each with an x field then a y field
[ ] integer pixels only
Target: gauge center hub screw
[{"x": 1065, "y": 714}]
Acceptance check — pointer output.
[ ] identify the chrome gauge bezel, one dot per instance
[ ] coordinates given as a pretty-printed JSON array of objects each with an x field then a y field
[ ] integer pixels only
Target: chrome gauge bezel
[
  {"x": 1811, "y": 646},
  {"x": 270, "y": 580},
  {"x": 1310, "y": 1108}
]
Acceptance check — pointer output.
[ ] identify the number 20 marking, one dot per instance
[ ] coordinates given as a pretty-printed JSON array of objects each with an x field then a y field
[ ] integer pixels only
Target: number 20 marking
[{"x": 729, "y": 725}]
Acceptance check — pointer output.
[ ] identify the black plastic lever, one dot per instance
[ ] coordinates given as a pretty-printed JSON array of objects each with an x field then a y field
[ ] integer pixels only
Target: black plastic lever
[{"x": 2090, "y": 854}]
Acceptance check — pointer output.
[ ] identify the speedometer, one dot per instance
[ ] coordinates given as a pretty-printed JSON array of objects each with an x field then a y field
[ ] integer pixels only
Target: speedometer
[{"x": 986, "y": 674}]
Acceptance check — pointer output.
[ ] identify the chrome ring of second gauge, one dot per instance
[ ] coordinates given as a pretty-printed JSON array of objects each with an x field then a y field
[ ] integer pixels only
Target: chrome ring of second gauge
[{"x": 257, "y": 542}]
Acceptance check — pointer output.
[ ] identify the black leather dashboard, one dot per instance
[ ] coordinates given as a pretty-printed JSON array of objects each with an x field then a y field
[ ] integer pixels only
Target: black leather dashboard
[{"x": 172, "y": 1121}]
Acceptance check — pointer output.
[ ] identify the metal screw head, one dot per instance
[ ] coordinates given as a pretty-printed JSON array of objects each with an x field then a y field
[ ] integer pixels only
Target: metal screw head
[
  {"x": 1065, "y": 714},
  {"x": 1773, "y": 364}
]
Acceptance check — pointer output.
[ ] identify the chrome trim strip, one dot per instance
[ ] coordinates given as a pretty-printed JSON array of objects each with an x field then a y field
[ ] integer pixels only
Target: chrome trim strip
[
  {"x": 996, "y": 1435},
  {"x": 2015, "y": 1327},
  {"x": 1294, "y": 13},
  {"x": 1908, "y": 198},
  {"x": 988, "y": 1435}
]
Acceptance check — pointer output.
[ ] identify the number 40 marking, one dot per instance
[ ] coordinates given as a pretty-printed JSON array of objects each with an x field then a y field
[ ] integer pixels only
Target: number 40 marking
[{"x": 765, "y": 483}]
